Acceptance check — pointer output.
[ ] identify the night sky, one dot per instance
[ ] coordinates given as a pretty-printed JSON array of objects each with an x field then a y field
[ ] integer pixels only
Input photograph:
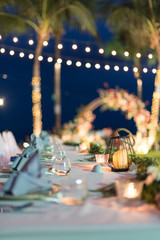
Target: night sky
[{"x": 79, "y": 85}]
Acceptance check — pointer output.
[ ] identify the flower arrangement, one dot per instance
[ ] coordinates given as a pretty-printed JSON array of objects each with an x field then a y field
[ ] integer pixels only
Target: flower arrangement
[{"x": 129, "y": 104}]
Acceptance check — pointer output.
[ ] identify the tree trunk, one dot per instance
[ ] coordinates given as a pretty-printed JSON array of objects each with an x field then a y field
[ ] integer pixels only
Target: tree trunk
[
  {"x": 155, "y": 104},
  {"x": 57, "y": 88},
  {"x": 36, "y": 90}
]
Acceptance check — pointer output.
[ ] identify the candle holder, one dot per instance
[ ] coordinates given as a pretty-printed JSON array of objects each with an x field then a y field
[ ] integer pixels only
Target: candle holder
[
  {"x": 102, "y": 159},
  {"x": 120, "y": 150},
  {"x": 129, "y": 191}
]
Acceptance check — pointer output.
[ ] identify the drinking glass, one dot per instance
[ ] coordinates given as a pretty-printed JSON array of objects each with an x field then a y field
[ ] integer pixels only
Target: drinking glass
[
  {"x": 73, "y": 191},
  {"x": 61, "y": 166}
]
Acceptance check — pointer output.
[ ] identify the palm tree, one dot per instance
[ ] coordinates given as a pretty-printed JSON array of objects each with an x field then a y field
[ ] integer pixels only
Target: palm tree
[
  {"x": 141, "y": 20},
  {"x": 41, "y": 16}
]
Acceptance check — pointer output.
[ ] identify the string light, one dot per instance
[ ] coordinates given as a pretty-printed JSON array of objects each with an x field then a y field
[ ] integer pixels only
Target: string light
[
  {"x": 30, "y": 56},
  {"x": 11, "y": 52},
  {"x": 138, "y": 55},
  {"x": 50, "y": 59},
  {"x": 125, "y": 68},
  {"x": 107, "y": 67},
  {"x": 116, "y": 68},
  {"x": 45, "y": 43},
  {"x": 87, "y": 65},
  {"x": 154, "y": 70},
  {"x": 78, "y": 64},
  {"x": 59, "y": 60},
  {"x": 97, "y": 66},
  {"x": 150, "y": 56},
  {"x": 21, "y": 54},
  {"x": 36, "y": 108},
  {"x": 60, "y": 46},
  {"x": 30, "y": 42},
  {"x": 15, "y": 39},
  {"x": 145, "y": 70},
  {"x": 4, "y": 76},
  {"x": 0, "y": 37},
  {"x": 135, "y": 69},
  {"x": 2, "y": 50},
  {"x": 1, "y": 101},
  {"x": 74, "y": 46},
  {"x": 126, "y": 53},
  {"x": 87, "y": 49},
  {"x": 40, "y": 58},
  {"x": 69, "y": 62},
  {"x": 114, "y": 53},
  {"x": 101, "y": 50}
]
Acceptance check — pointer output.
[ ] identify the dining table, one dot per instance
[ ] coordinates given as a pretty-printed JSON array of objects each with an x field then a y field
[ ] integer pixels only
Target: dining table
[{"x": 97, "y": 218}]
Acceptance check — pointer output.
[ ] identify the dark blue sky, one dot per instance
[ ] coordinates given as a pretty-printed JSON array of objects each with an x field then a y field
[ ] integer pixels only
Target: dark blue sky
[{"x": 79, "y": 85}]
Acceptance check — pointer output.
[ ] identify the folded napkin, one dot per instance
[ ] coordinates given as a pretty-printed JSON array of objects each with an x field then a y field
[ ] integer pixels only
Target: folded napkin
[
  {"x": 22, "y": 183},
  {"x": 44, "y": 136},
  {"x": 36, "y": 142},
  {"x": 28, "y": 180},
  {"x": 21, "y": 160}
]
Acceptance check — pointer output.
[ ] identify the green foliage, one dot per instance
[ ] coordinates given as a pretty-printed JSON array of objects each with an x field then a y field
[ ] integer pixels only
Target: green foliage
[
  {"x": 150, "y": 191},
  {"x": 97, "y": 148}
]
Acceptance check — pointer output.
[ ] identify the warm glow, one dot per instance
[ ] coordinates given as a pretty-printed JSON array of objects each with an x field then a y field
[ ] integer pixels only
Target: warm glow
[
  {"x": 125, "y": 68},
  {"x": 2, "y": 50},
  {"x": 1, "y": 101},
  {"x": 150, "y": 56},
  {"x": 0, "y": 37},
  {"x": 69, "y": 62},
  {"x": 21, "y": 54},
  {"x": 126, "y": 54},
  {"x": 4, "y": 76},
  {"x": 88, "y": 65},
  {"x": 74, "y": 46},
  {"x": 11, "y": 52},
  {"x": 154, "y": 70},
  {"x": 97, "y": 66},
  {"x": 78, "y": 64},
  {"x": 59, "y": 60},
  {"x": 15, "y": 39},
  {"x": 135, "y": 69},
  {"x": 59, "y": 46},
  {"x": 40, "y": 58},
  {"x": 31, "y": 56},
  {"x": 87, "y": 49},
  {"x": 107, "y": 67},
  {"x": 31, "y": 42},
  {"x": 116, "y": 68},
  {"x": 101, "y": 50},
  {"x": 145, "y": 70},
  {"x": 45, "y": 43},
  {"x": 114, "y": 53},
  {"x": 101, "y": 158},
  {"x": 25, "y": 144},
  {"x": 138, "y": 55},
  {"x": 50, "y": 59},
  {"x": 131, "y": 191}
]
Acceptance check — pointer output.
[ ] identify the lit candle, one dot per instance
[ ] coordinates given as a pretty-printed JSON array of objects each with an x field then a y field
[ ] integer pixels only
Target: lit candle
[
  {"x": 120, "y": 159},
  {"x": 130, "y": 191},
  {"x": 101, "y": 158}
]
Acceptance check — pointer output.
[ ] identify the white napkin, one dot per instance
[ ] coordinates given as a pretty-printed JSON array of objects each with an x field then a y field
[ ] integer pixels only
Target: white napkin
[
  {"x": 22, "y": 183},
  {"x": 28, "y": 180},
  {"x": 23, "y": 158},
  {"x": 11, "y": 143}
]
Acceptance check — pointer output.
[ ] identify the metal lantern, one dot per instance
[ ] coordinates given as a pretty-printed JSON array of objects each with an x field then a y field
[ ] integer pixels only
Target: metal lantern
[{"x": 120, "y": 150}]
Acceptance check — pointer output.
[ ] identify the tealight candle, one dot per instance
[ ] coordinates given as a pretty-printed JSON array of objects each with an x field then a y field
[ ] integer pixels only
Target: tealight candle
[
  {"x": 130, "y": 191},
  {"x": 101, "y": 158}
]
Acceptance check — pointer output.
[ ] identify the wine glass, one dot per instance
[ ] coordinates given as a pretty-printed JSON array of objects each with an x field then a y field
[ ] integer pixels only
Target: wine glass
[
  {"x": 61, "y": 166},
  {"x": 73, "y": 191}
]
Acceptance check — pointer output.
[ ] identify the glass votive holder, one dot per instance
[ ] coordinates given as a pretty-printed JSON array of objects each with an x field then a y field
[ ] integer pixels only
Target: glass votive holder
[
  {"x": 61, "y": 167},
  {"x": 129, "y": 191},
  {"x": 73, "y": 191},
  {"x": 102, "y": 159}
]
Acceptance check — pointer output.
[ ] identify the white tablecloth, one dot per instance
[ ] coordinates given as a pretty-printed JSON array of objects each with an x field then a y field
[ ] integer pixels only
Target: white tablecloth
[{"x": 97, "y": 218}]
